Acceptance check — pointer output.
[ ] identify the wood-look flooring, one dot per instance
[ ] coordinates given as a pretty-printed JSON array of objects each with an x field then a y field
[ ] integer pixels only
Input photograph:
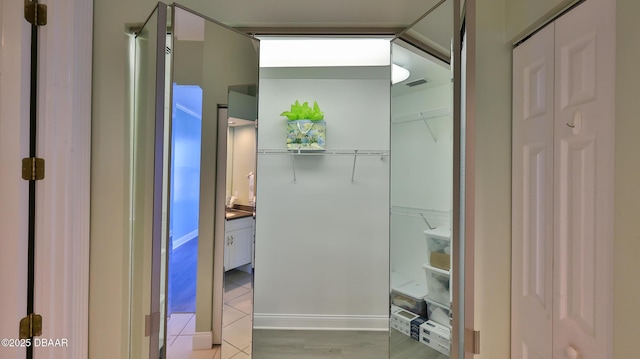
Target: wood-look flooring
[
  {"x": 404, "y": 347},
  {"x": 183, "y": 266},
  {"x": 302, "y": 344},
  {"x": 307, "y": 344}
]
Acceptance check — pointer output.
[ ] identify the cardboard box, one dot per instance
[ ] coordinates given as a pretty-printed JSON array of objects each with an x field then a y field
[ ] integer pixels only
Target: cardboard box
[
  {"x": 415, "y": 327},
  {"x": 401, "y": 321},
  {"x": 436, "y": 332},
  {"x": 444, "y": 349},
  {"x": 440, "y": 260}
]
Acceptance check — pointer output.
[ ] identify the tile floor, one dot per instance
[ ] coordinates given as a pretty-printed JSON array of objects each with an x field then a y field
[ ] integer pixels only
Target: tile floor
[
  {"x": 180, "y": 330},
  {"x": 236, "y": 320}
]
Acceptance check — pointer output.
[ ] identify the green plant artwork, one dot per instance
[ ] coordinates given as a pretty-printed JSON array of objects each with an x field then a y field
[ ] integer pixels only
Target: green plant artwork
[
  {"x": 304, "y": 112},
  {"x": 306, "y": 129},
  {"x": 306, "y": 135}
]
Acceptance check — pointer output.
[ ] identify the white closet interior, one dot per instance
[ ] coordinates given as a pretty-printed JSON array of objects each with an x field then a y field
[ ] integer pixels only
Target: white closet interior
[{"x": 562, "y": 213}]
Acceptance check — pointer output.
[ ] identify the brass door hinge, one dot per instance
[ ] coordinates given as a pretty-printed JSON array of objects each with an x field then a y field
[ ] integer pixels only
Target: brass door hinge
[
  {"x": 151, "y": 324},
  {"x": 472, "y": 341},
  {"x": 35, "y": 13},
  {"x": 32, "y": 169},
  {"x": 31, "y": 326}
]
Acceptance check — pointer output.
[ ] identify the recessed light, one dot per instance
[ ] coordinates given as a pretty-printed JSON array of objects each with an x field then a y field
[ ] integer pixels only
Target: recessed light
[{"x": 398, "y": 74}]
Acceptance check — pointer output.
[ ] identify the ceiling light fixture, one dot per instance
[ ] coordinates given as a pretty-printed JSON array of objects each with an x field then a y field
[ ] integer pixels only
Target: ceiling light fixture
[
  {"x": 323, "y": 52},
  {"x": 398, "y": 74}
]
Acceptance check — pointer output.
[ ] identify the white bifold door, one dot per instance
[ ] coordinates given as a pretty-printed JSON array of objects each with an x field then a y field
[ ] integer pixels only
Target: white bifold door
[{"x": 563, "y": 164}]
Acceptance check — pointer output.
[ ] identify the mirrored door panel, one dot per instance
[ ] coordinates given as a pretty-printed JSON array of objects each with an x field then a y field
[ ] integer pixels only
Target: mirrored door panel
[
  {"x": 185, "y": 66},
  {"x": 214, "y": 68},
  {"x": 146, "y": 188},
  {"x": 421, "y": 241}
]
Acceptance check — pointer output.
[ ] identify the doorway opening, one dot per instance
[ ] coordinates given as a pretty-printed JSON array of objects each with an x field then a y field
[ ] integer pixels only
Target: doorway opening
[{"x": 186, "y": 135}]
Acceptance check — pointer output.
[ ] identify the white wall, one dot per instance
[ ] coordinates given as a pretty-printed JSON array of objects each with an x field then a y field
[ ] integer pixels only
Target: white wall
[
  {"x": 627, "y": 176},
  {"x": 523, "y": 16},
  {"x": 322, "y": 242},
  {"x": 421, "y": 175},
  {"x": 492, "y": 83},
  {"x": 243, "y": 148}
]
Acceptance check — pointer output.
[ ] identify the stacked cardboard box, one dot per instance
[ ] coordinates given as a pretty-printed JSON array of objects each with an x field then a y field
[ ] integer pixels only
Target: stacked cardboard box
[{"x": 436, "y": 336}]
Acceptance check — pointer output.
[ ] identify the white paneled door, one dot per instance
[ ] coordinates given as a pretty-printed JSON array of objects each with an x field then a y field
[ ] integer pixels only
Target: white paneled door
[
  {"x": 583, "y": 181},
  {"x": 532, "y": 248},
  {"x": 563, "y": 155}
]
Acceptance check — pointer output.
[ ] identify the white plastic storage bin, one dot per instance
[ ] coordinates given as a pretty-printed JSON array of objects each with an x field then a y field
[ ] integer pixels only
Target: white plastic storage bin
[
  {"x": 438, "y": 313},
  {"x": 438, "y": 284},
  {"x": 410, "y": 296},
  {"x": 438, "y": 247}
]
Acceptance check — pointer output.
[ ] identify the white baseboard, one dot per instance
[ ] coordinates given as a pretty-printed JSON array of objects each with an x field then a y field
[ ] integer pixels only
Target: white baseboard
[
  {"x": 202, "y": 341},
  {"x": 320, "y": 322},
  {"x": 184, "y": 239}
]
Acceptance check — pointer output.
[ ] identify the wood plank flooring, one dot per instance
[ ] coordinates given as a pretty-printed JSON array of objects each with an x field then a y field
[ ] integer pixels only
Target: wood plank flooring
[
  {"x": 183, "y": 265},
  {"x": 403, "y": 347},
  {"x": 302, "y": 344},
  {"x": 318, "y": 344}
]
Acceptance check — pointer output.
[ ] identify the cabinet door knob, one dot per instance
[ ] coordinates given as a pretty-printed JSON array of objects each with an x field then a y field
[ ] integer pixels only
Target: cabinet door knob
[{"x": 572, "y": 353}]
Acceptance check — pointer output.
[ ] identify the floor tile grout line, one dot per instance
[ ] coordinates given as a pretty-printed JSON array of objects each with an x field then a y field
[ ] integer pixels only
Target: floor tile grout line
[
  {"x": 235, "y": 321},
  {"x": 185, "y": 324},
  {"x": 240, "y": 310},
  {"x": 239, "y": 350}
]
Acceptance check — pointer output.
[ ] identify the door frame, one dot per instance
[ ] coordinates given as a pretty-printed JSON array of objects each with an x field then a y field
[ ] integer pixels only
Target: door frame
[{"x": 464, "y": 47}]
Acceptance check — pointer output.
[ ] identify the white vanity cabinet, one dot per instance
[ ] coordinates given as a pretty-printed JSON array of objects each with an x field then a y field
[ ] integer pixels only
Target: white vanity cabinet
[{"x": 238, "y": 246}]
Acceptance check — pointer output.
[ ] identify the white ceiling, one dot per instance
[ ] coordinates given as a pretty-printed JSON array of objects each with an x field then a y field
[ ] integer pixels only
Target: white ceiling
[
  {"x": 317, "y": 13},
  {"x": 435, "y": 29}
]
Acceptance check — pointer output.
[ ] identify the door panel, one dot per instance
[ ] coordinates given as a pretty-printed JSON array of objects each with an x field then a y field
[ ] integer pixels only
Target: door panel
[
  {"x": 584, "y": 124},
  {"x": 147, "y": 139},
  {"x": 532, "y": 251},
  {"x": 576, "y": 240},
  {"x": 211, "y": 56}
]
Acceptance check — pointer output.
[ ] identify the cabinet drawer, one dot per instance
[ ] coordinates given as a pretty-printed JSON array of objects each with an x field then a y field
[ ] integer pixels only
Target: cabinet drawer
[{"x": 234, "y": 224}]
